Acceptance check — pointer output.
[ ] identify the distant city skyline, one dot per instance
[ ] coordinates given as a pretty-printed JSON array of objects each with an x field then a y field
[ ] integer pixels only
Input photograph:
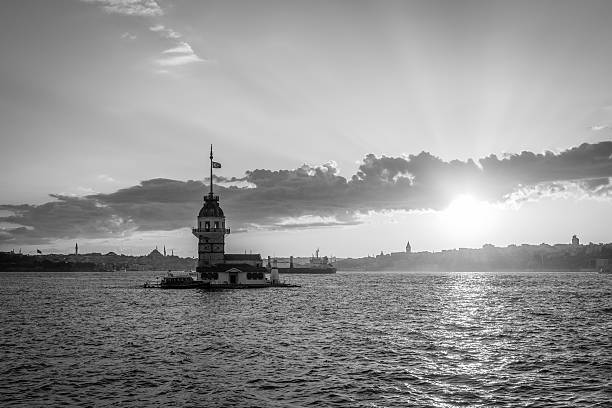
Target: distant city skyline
[{"x": 352, "y": 127}]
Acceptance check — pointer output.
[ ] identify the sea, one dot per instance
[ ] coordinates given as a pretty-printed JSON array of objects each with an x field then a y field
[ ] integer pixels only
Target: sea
[{"x": 352, "y": 339}]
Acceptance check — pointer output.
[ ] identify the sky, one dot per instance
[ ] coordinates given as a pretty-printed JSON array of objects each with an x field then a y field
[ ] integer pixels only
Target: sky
[{"x": 348, "y": 126}]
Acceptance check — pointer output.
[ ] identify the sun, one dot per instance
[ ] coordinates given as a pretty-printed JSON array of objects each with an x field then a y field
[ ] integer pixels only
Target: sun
[{"x": 468, "y": 217}]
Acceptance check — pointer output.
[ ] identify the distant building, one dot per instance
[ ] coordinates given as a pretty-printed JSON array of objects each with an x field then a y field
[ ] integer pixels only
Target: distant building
[
  {"x": 408, "y": 248},
  {"x": 155, "y": 254},
  {"x": 575, "y": 240}
]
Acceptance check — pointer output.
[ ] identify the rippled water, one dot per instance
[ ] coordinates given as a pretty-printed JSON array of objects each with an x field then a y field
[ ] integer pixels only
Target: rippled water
[{"x": 350, "y": 339}]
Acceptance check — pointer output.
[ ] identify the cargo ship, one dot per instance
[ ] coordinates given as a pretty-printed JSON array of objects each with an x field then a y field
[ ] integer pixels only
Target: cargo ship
[{"x": 316, "y": 265}]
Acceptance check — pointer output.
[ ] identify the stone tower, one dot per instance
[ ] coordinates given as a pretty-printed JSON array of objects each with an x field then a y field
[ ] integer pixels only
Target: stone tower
[{"x": 211, "y": 230}]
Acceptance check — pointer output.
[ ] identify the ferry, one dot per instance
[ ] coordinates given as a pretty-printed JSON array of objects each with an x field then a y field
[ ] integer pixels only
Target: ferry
[
  {"x": 217, "y": 269},
  {"x": 172, "y": 281}
]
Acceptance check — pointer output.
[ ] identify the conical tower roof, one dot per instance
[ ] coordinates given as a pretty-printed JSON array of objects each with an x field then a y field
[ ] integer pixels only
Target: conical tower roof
[{"x": 211, "y": 207}]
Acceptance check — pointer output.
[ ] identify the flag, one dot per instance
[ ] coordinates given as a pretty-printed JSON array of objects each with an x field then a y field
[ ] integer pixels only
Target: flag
[
  {"x": 38, "y": 251},
  {"x": 216, "y": 165}
]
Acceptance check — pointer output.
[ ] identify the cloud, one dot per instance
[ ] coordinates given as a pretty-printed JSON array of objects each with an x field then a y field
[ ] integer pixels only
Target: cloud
[
  {"x": 318, "y": 196},
  {"x": 594, "y": 188},
  {"x": 66, "y": 217},
  {"x": 309, "y": 221},
  {"x": 177, "y": 60},
  {"x": 128, "y": 36},
  {"x": 180, "y": 55},
  {"x": 597, "y": 128},
  {"x": 182, "y": 48},
  {"x": 106, "y": 178},
  {"x": 142, "y": 8},
  {"x": 167, "y": 33}
]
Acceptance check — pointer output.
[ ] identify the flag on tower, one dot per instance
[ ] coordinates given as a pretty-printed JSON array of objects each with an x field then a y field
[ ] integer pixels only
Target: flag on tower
[{"x": 216, "y": 165}]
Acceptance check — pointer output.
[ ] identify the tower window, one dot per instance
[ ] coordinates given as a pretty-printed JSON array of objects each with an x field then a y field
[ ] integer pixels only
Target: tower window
[
  {"x": 207, "y": 225},
  {"x": 216, "y": 224}
]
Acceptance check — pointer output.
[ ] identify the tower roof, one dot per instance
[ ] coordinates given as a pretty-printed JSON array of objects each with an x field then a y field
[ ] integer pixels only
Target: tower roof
[{"x": 211, "y": 207}]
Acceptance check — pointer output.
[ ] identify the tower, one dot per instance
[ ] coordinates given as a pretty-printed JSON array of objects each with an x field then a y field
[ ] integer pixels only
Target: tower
[
  {"x": 211, "y": 230},
  {"x": 408, "y": 248},
  {"x": 76, "y": 248}
]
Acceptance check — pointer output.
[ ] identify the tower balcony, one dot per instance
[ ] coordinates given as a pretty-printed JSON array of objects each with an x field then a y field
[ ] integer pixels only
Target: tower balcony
[{"x": 200, "y": 231}]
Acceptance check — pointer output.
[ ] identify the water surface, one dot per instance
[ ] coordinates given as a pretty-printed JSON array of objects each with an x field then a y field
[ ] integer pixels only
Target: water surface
[{"x": 384, "y": 339}]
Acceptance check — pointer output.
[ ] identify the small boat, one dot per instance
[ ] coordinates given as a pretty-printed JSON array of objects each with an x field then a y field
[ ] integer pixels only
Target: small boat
[{"x": 170, "y": 281}]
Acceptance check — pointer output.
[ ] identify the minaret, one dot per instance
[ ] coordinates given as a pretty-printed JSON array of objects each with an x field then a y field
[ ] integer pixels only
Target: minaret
[
  {"x": 211, "y": 229},
  {"x": 408, "y": 248},
  {"x": 164, "y": 250},
  {"x": 76, "y": 248}
]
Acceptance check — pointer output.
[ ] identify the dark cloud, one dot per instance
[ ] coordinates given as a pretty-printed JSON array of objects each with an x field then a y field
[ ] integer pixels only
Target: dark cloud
[
  {"x": 64, "y": 218},
  {"x": 309, "y": 197},
  {"x": 593, "y": 185}
]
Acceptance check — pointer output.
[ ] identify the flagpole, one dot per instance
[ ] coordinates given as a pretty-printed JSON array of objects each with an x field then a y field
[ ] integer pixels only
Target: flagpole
[{"x": 211, "y": 174}]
